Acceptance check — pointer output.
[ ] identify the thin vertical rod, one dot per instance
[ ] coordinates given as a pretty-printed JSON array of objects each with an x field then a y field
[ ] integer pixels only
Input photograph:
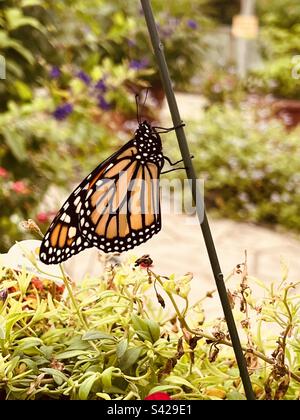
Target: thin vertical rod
[{"x": 184, "y": 149}]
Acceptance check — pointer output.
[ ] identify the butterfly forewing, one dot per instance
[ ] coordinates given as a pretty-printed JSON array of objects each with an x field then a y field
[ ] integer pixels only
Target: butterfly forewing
[{"x": 122, "y": 208}]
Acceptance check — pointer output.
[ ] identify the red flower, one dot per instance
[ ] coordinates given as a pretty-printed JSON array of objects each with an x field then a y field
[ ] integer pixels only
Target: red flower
[
  {"x": 60, "y": 289},
  {"x": 144, "y": 262},
  {"x": 19, "y": 187},
  {"x": 158, "y": 396},
  {"x": 37, "y": 283},
  {"x": 3, "y": 172},
  {"x": 43, "y": 217}
]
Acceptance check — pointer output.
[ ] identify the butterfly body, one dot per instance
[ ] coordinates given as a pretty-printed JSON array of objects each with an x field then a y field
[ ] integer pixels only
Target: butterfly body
[
  {"x": 148, "y": 144},
  {"x": 116, "y": 207}
]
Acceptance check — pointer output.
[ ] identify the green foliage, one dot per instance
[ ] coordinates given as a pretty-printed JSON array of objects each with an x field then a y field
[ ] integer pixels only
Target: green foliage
[
  {"x": 276, "y": 78},
  {"x": 124, "y": 347},
  {"x": 222, "y": 85},
  {"x": 23, "y": 38},
  {"x": 279, "y": 40},
  {"x": 222, "y": 10},
  {"x": 250, "y": 164},
  {"x": 39, "y": 151},
  {"x": 182, "y": 26},
  {"x": 57, "y": 53}
]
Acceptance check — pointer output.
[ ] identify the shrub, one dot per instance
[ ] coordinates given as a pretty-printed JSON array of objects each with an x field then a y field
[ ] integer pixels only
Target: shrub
[
  {"x": 107, "y": 339},
  {"x": 279, "y": 43},
  {"x": 249, "y": 163}
]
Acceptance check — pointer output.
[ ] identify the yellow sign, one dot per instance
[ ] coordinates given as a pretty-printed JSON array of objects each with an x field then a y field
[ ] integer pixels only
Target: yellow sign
[{"x": 245, "y": 26}]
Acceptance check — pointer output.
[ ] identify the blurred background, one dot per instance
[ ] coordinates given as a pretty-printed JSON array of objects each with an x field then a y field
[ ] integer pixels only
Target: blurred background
[{"x": 69, "y": 72}]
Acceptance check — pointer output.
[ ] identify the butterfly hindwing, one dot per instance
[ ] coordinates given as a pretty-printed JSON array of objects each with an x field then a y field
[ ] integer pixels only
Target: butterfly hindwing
[{"x": 63, "y": 238}]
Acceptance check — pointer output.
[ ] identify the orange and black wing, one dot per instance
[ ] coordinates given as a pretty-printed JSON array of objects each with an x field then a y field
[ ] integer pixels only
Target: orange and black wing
[
  {"x": 122, "y": 206},
  {"x": 64, "y": 238}
]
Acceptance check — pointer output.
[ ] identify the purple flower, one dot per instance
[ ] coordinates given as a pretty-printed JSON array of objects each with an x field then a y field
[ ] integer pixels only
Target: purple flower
[
  {"x": 63, "y": 111},
  {"x": 101, "y": 86},
  {"x": 131, "y": 42},
  {"x": 165, "y": 31},
  {"x": 191, "y": 23},
  {"x": 139, "y": 64},
  {"x": 85, "y": 78},
  {"x": 55, "y": 72},
  {"x": 3, "y": 295},
  {"x": 103, "y": 104}
]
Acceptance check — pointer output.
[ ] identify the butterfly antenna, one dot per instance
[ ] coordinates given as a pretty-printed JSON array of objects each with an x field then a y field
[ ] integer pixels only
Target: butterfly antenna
[
  {"x": 137, "y": 108},
  {"x": 146, "y": 96}
]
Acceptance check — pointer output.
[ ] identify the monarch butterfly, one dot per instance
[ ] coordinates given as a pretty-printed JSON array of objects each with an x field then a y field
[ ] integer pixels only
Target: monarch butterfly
[{"x": 117, "y": 206}]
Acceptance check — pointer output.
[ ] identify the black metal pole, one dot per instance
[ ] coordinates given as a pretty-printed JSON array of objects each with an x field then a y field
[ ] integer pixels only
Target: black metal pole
[{"x": 184, "y": 149}]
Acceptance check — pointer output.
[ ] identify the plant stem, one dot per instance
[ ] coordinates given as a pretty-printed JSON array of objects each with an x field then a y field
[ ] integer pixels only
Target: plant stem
[
  {"x": 212, "y": 338},
  {"x": 72, "y": 297},
  {"x": 77, "y": 309}
]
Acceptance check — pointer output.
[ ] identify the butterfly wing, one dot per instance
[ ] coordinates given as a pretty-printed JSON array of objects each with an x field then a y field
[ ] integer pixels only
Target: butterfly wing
[
  {"x": 64, "y": 238},
  {"x": 122, "y": 207}
]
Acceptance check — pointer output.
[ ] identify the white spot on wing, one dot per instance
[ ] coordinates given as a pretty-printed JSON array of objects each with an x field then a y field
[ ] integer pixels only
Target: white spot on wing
[
  {"x": 78, "y": 208},
  {"x": 72, "y": 232},
  {"x": 89, "y": 194},
  {"x": 109, "y": 166},
  {"x": 99, "y": 183},
  {"x": 76, "y": 201}
]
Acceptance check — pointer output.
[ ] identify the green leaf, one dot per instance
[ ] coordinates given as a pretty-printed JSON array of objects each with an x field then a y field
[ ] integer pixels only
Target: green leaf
[
  {"x": 13, "y": 364},
  {"x": 162, "y": 388},
  {"x": 28, "y": 343},
  {"x": 30, "y": 3},
  {"x": 6, "y": 42},
  {"x": 235, "y": 395},
  {"x": 137, "y": 323},
  {"x": 15, "y": 142},
  {"x": 16, "y": 19},
  {"x": 70, "y": 354},
  {"x": 2, "y": 328},
  {"x": 154, "y": 330},
  {"x": 97, "y": 335},
  {"x": 121, "y": 348},
  {"x": 177, "y": 380},
  {"x": 106, "y": 377},
  {"x": 23, "y": 90},
  {"x": 76, "y": 343},
  {"x": 86, "y": 386},
  {"x": 58, "y": 376},
  {"x": 146, "y": 329},
  {"x": 129, "y": 358},
  {"x": 103, "y": 395}
]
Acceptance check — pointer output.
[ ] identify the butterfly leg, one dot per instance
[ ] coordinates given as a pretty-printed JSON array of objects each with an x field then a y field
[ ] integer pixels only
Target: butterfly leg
[
  {"x": 175, "y": 163},
  {"x": 166, "y": 130},
  {"x": 172, "y": 170}
]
